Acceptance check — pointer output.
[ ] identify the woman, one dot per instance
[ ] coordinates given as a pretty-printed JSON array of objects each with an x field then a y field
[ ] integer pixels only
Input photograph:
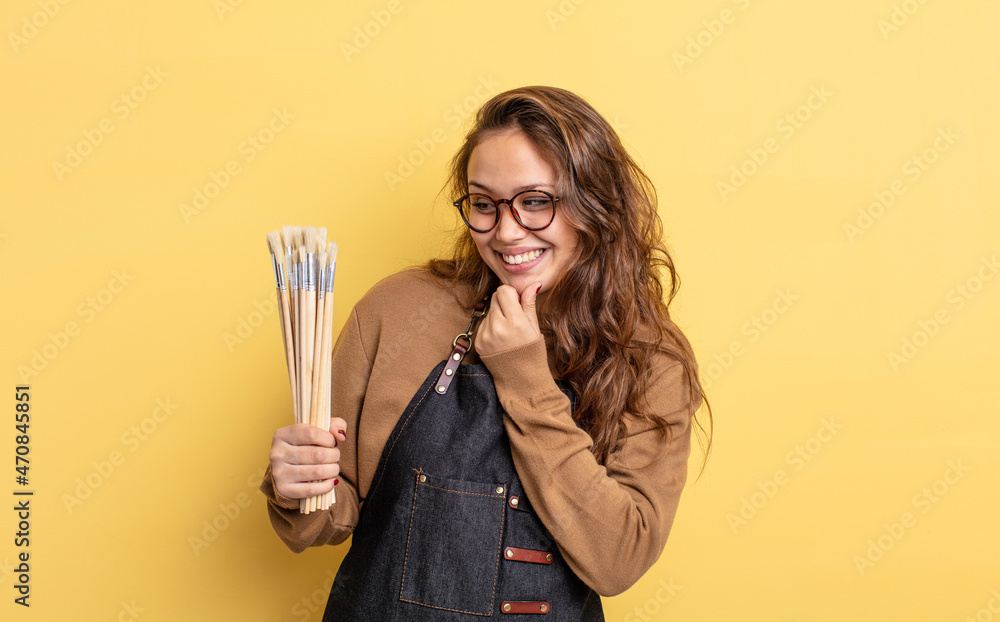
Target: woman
[{"x": 491, "y": 488}]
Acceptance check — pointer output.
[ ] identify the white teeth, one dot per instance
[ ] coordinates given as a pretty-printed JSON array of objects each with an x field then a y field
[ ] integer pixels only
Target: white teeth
[{"x": 522, "y": 258}]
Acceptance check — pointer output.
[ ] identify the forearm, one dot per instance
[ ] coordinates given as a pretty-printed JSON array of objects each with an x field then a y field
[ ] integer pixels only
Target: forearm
[{"x": 610, "y": 523}]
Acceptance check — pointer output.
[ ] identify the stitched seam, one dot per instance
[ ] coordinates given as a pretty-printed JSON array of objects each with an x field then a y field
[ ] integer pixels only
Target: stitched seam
[
  {"x": 462, "y": 492},
  {"x": 415, "y": 602},
  {"x": 393, "y": 446},
  {"x": 496, "y": 571},
  {"x": 409, "y": 532}
]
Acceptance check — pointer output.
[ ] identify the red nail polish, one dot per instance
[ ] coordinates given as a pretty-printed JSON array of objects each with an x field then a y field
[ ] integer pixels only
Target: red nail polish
[
  {"x": 335, "y": 481},
  {"x": 342, "y": 433},
  {"x": 538, "y": 289}
]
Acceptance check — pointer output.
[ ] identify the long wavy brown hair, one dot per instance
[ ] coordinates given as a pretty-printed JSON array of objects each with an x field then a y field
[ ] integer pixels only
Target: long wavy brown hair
[{"x": 607, "y": 316}]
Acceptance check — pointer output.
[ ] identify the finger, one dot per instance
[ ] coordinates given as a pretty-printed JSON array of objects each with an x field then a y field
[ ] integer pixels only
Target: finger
[
  {"x": 303, "y": 490},
  {"x": 298, "y": 474},
  {"x": 308, "y": 455},
  {"x": 505, "y": 300},
  {"x": 305, "y": 434},
  {"x": 338, "y": 427},
  {"x": 528, "y": 299}
]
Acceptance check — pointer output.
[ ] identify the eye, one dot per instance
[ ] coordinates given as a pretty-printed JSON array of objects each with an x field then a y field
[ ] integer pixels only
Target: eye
[
  {"x": 482, "y": 204},
  {"x": 535, "y": 202}
]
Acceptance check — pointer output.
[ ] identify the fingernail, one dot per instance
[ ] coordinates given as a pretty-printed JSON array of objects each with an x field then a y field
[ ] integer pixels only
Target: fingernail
[
  {"x": 538, "y": 289},
  {"x": 342, "y": 433},
  {"x": 335, "y": 481}
]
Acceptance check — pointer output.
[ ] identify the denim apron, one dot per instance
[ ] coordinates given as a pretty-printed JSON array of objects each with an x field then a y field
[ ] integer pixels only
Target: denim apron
[{"x": 446, "y": 532}]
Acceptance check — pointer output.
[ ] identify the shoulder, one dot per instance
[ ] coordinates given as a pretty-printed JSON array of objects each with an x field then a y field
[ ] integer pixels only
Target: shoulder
[
  {"x": 408, "y": 300},
  {"x": 409, "y": 288}
]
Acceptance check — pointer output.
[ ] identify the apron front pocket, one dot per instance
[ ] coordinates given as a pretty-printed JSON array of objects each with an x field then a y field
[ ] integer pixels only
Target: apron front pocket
[{"x": 453, "y": 545}]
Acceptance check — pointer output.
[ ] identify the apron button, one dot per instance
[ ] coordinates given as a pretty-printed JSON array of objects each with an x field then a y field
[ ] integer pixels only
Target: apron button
[
  {"x": 509, "y": 553},
  {"x": 513, "y": 502},
  {"x": 423, "y": 478},
  {"x": 448, "y": 372},
  {"x": 543, "y": 608},
  {"x": 506, "y": 607},
  {"x": 499, "y": 490},
  {"x": 548, "y": 558},
  {"x": 441, "y": 388}
]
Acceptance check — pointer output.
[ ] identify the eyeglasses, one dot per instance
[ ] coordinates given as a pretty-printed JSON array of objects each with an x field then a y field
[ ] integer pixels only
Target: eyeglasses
[{"x": 532, "y": 209}]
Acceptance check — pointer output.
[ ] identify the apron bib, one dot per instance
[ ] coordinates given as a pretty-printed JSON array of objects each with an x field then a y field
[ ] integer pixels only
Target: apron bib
[{"x": 446, "y": 532}]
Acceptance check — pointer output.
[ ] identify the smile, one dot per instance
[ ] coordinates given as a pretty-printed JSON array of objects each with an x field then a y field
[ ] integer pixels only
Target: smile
[{"x": 522, "y": 258}]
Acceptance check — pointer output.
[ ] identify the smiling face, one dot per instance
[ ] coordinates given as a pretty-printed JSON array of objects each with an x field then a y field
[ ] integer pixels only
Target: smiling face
[{"x": 502, "y": 165}]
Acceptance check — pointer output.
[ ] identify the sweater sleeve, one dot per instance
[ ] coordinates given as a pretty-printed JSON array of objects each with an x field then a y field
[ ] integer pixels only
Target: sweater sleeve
[
  {"x": 351, "y": 370},
  {"x": 609, "y": 522}
]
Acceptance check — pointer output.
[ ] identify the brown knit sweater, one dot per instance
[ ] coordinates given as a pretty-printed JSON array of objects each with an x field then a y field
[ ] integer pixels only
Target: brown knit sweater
[{"x": 610, "y": 522}]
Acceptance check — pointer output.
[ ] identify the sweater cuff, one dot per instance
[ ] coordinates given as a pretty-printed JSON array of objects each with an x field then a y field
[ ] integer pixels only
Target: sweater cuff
[
  {"x": 524, "y": 371},
  {"x": 267, "y": 487}
]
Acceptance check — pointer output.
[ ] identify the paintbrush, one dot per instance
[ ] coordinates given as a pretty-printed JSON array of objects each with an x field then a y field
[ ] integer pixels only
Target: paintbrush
[{"x": 277, "y": 260}]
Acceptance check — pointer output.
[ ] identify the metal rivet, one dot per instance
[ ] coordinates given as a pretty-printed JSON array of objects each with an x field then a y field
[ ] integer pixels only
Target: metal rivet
[
  {"x": 509, "y": 553},
  {"x": 441, "y": 388},
  {"x": 506, "y": 607},
  {"x": 456, "y": 356},
  {"x": 423, "y": 478},
  {"x": 499, "y": 490},
  {"x": 543, "y": 608},
  {"x": 548, "y": 558},
  {"x": 448, "y": 372},
  {"x": 513, "y": 501}
]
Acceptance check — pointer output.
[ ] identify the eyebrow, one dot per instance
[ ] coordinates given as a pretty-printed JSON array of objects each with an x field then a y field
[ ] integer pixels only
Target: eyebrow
[{"x": 516, "y": 190}]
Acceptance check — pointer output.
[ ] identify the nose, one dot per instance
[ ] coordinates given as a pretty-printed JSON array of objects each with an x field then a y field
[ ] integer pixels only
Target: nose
[{"x": 507, "y": 230}]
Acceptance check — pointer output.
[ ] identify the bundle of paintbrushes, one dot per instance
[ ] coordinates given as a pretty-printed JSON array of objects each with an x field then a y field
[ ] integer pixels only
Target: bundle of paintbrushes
[{"x": 304, "y": 265}]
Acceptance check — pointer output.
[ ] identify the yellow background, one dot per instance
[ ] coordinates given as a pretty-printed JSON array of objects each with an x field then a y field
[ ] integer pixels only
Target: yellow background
[{"x": 174, "y": 306}]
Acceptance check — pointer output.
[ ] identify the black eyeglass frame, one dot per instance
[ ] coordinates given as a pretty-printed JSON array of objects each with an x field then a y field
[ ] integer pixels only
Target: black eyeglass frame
[{"x": 510, "y": 205}]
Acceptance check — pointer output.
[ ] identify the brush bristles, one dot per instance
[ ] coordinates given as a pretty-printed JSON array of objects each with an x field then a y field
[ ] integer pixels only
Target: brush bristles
[
  {"x": 287, "y": 237},
  {"x": 274, "y": 244},
  {"x": 320, "y": 239},
  {"x": 310, "y": 242}
]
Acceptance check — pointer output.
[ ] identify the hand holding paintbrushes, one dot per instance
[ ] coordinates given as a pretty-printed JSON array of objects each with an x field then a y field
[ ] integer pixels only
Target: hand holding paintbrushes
[{"x": 304, "y": 266}]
